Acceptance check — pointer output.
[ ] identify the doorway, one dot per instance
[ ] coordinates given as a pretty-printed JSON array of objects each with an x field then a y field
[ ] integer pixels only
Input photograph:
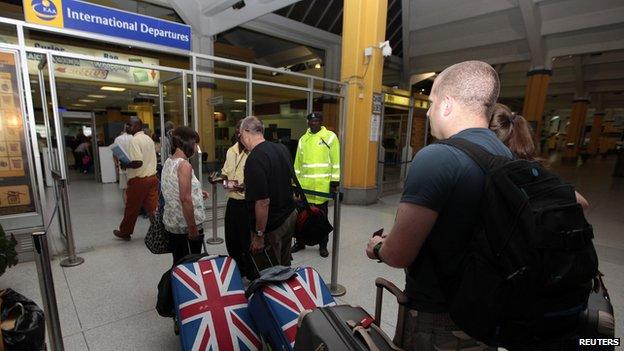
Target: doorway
[{"x": 81, "y": 112}]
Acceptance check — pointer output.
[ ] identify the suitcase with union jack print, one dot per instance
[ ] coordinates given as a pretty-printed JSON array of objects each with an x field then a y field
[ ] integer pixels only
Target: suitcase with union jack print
[
  {"x": 211, "y": 306},
  {"x": 276, "y": 307}
]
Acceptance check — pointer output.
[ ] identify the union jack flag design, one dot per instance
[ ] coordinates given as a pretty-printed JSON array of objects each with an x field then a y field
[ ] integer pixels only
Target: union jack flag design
[
  {"x": 211, "y": 306},
  {"x": 287, "y": 300}
]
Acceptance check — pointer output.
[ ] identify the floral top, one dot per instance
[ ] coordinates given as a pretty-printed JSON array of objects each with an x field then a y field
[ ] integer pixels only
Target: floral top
[{"x": 173, "y": 217}]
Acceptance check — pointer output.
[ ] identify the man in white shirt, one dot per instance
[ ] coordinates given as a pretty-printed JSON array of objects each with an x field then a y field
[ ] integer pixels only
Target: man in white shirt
[
  {"x": 123, "y": 141},
  {"x": 142, "y": 181}
]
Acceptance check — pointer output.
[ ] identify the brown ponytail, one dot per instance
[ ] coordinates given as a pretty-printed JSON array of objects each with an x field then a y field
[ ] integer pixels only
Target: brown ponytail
[{"x": 514, "y": 131}]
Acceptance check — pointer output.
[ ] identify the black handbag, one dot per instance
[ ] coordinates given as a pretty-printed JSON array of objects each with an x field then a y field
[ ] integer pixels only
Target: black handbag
[
  {"x": 312, "y": 224},
  {"x": 23, "y": 322},
  {"x": 156, "y": 239}
]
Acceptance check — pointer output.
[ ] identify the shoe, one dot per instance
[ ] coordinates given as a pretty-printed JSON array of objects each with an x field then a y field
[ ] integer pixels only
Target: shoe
[
  {"x": 118, "y": 234},
  {"x": 297, "y": 247},
  {"x": 323, "y": 252}
]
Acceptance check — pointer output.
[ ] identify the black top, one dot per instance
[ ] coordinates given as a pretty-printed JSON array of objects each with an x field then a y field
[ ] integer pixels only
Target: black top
[
  {"x": 446, "y": 180},
  {"x": 268, "y": 174}
]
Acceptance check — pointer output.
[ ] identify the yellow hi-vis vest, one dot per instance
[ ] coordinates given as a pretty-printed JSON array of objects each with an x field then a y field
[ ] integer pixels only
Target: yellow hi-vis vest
[{"x": 318, "y": 162}]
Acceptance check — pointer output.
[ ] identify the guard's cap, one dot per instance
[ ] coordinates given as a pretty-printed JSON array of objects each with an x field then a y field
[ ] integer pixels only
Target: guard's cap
[{"x": 314, "y": 115}]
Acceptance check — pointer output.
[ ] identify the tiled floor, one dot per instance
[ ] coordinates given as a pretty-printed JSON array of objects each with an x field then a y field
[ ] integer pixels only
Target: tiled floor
[{"x": 108, "y": 302}]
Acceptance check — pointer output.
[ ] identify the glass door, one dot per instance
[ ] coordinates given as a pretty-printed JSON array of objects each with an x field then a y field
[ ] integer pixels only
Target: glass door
[{"x": 394, "y": 138}]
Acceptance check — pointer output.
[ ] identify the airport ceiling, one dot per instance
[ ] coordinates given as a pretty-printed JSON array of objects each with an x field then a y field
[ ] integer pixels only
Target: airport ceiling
[{"x": 582, "y": 41}]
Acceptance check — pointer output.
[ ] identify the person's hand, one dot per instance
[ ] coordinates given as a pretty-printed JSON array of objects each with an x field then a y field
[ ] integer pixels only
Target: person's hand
[
  {"x": 257, "y": 244},
  {"x": 371, "y": 244},
  {"x": 194, "y": 234},
  {"x": 205, "y": 194},
  {"x": 240, "y": 187},
  {"x": 123, "y": 166},
  {"x": 333, "y": 186}
]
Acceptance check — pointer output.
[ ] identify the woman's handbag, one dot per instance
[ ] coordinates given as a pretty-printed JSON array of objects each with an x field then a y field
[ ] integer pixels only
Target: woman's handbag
[
  {"x": 156, "y": 239},
  {"x": 23, "y": 322}
]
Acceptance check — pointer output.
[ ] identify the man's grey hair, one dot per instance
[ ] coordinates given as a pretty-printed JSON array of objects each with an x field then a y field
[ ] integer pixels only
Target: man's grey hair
[
  {"x": 252, "y": 125},
  {"x": 474, "y": 83}
]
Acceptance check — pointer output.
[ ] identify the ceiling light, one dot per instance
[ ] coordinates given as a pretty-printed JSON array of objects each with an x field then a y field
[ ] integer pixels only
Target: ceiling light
[
  {"x": 168, "y": 101},
  {"x": 107, "y": 88},
  {"x": 149, "y": 94},
  {"x": 242, "y": 101},
  {"x": 317, "y": 65},
  {"x": 236, "y": 110},
  {"x": 96, "y": 96},
  {"x": 86, "y": 100},
  {"x": 79, "y": 105}
]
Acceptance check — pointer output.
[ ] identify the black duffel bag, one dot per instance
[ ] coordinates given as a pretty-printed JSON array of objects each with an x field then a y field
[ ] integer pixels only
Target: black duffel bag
[{"x": 23, "y": 322}]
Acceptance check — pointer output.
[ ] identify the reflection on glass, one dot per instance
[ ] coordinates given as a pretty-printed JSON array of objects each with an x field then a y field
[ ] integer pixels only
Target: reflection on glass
[{"x": 283, "y": 113}]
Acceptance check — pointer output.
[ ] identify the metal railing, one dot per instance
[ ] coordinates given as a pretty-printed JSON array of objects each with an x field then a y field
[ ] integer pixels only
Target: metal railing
[
  {"x": 48, "y": 295},
  {"x": 65, "y": 222}
]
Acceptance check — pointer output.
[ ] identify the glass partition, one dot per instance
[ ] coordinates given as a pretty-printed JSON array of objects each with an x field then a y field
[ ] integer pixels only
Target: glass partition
[{"x": 282, "y": 112}]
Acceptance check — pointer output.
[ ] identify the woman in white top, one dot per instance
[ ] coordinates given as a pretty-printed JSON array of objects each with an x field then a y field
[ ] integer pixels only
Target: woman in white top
[{"x": 184, "y": 199}]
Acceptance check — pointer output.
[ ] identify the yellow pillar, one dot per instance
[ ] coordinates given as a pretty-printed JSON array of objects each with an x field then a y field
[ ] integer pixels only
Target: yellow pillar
[
  {"x": 535, "y": 98},
  {"x": 575, "y": 129},
  {"x": 596, "y": 131},
  {"x": 206, "y": 119},
  {"x": 364, "y": 25}
]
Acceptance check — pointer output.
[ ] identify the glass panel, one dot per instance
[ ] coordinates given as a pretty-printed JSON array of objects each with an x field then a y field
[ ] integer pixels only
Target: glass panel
[
  {"x": 8, "y": 34},
  {"x": 282, "y": 112},
  {"x": 217, "y": 67},
  {"x": 221, "y": 103},
  {"x": 327, "y": 86},
  {"x": 16, "y": 185},
  {"x": 394, "y": 142},
  {"x": 279, "y": 77}
]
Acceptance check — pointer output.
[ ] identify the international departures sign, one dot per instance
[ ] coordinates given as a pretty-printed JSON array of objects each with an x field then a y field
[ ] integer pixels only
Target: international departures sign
[{"x": 83, "y": 16}]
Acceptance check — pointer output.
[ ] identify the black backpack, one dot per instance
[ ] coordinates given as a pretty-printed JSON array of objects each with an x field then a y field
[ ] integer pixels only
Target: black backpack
[{"x": 528, "y": 271}]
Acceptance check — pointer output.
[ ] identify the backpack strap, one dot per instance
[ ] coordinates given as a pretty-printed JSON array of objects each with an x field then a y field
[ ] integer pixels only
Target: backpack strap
[{"x": 476, "y": 152}]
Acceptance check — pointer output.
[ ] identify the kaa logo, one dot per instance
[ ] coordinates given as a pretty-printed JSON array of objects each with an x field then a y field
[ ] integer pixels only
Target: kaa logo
[{"x": 45, "y": 9}]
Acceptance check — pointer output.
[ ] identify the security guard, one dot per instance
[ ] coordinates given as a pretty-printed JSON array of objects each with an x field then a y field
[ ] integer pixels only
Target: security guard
[{"x": 317, "y": 166}]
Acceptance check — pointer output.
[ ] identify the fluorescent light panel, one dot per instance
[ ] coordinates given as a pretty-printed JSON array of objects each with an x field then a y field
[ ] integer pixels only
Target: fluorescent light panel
[
  {"x": 107, "y": 88},
  {"x": 96, "y": 96},
  {"x": 149, "y": 94}
]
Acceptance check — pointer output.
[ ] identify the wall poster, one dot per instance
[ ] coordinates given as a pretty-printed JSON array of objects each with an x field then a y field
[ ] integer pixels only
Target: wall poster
[{"x": 15, "y": 183}]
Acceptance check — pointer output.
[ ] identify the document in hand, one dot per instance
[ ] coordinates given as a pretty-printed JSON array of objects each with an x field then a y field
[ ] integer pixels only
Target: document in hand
[{"x": 121, "y": 155}]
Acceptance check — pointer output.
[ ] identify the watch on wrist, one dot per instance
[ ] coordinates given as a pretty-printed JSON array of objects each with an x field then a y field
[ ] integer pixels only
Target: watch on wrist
[
  {"x": 376, "y": 249},
  {"x": 259, "y": 233}
]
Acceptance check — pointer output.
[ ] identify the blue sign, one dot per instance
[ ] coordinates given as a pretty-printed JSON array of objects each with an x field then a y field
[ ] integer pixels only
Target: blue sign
[{"x": 93, "y": 18}]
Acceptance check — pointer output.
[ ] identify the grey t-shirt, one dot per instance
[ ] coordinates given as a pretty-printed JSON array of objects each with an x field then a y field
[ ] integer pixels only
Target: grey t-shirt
[{"x": 446, "y": 180}]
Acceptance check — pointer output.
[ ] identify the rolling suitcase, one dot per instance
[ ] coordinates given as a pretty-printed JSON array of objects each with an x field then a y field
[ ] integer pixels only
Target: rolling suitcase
[
  {"x": 348, "y": 327},
  {"x": 211, "y": 306},
  {"x": 276, "y": 307}
]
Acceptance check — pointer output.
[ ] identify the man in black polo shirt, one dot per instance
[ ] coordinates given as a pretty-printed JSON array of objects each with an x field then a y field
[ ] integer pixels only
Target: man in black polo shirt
[
  {"x": 438, "y": 211},
  {"x": 268, "y": 189}
]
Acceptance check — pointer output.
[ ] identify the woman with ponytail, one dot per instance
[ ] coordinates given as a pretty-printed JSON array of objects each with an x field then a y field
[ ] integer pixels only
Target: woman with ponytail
[{"x": 514, "y": 131}]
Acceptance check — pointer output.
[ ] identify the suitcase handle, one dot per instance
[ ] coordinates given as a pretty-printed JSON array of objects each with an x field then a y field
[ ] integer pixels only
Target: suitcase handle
[
  {"x": 253, "y": 261},
  {"x": 402, "y": 300},
  {"x": 367, "y": 338},
  {"x": 382, "y": 284}
]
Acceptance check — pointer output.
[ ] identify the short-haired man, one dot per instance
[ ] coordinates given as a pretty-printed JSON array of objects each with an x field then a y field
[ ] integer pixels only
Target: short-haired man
[
  {"x": 268, "y": 190},
  {"x": 317, "y": 166},
  {"x": 142, "y": 181},
  {"x": 438, "y": 211}
]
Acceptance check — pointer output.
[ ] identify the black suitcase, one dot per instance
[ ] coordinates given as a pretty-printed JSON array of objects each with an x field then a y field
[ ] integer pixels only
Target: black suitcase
[{"x": 345, "y": 327}]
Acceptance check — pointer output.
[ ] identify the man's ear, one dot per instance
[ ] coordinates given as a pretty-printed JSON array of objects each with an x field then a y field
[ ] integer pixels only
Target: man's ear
[{"x": 447, "y": 106}]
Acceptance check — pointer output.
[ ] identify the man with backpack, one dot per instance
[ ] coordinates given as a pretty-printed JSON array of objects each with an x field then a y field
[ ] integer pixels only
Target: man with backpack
[{"x": 472, "y": 251}]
